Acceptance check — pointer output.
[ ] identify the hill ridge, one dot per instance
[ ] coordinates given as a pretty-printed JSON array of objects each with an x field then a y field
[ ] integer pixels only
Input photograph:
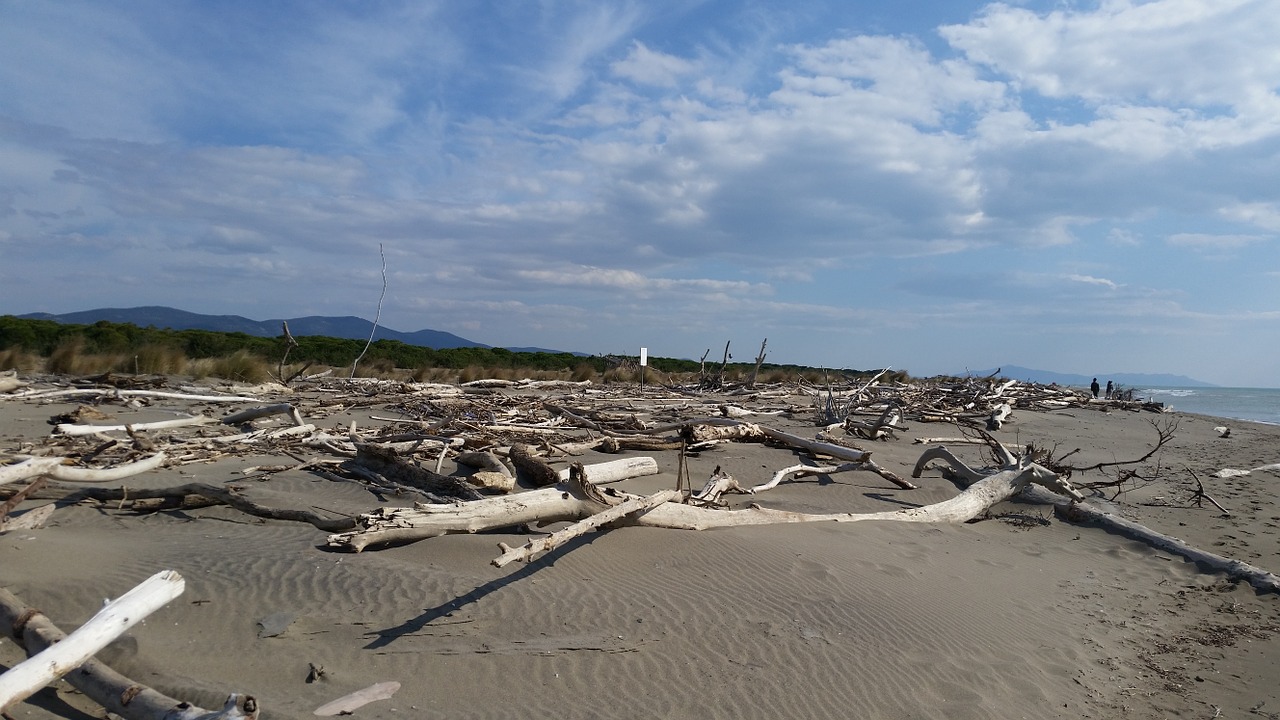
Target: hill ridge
[{"x": 346, "y": 327}]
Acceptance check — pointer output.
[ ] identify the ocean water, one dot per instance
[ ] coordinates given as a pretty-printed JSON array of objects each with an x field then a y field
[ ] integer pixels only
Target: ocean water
[{"x": 1257, "y": 404}]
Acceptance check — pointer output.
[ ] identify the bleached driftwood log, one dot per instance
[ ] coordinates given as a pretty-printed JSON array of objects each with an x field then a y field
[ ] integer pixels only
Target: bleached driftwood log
[
  {"x": 56, "y": 468},
  {"x": 616, "y": 470},
  {"x": 72, "y": 429},
  {"x": 492, "y": 475},
  {"x": 609, "y": 513},
  {"x": 1260, "y": 579},
  {"x": 112, "y": 621},
  {"x": 1076, "y": 509},
  {"x": 799, "y": 471},
  {"x": 560, "y": 503},
  {"x": 116, "y": 693}
]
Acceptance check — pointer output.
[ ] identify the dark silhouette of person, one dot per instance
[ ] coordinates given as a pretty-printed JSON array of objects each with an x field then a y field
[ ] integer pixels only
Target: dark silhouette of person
[
  {"x": 1110, "y": 389},
  {"x": 1094, "y": 387}
]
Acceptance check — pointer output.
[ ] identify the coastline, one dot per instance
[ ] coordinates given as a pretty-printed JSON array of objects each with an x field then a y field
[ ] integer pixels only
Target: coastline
[{"x": 1021, "y": 615}]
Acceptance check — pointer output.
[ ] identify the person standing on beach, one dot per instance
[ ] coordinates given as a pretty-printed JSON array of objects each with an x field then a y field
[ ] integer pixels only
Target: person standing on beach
[
  {"x": 1094, "y": 387},
  {"x": 1110, "y": 389}
]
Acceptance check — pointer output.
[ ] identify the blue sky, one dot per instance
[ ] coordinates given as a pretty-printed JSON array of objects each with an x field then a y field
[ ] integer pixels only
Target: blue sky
[{"x": 1085, "y": 187}]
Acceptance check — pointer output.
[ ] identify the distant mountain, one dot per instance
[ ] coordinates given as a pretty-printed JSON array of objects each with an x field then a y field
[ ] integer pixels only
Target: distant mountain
[
  {"x": 1132, "y": 380},
  {"x": 339, "y": 327}
]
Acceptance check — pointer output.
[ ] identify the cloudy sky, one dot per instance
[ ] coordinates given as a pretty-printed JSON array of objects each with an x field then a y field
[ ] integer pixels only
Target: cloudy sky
[{"x": 935, "y": 186}]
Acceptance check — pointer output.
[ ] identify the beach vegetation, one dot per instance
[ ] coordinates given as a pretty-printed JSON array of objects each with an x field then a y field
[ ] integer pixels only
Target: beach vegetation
[
  {"x": 241, "y": 366},
  {"x": 123, "y": 347}
]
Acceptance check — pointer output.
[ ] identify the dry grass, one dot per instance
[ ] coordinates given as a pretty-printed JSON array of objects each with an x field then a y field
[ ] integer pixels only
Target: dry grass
[
  {"x": 20, "y": 360},
  {"x": 156, "y": 360},
  {"x": 69, "y": 358},
  {"x": 241, "y": 366}
]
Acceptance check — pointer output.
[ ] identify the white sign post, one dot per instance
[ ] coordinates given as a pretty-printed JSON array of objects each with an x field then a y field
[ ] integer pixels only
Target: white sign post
[{"x": 644, "y": 360}]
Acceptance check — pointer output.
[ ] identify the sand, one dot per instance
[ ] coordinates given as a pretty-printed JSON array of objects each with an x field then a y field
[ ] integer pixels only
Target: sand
[{"x": 1019, "y": 616}]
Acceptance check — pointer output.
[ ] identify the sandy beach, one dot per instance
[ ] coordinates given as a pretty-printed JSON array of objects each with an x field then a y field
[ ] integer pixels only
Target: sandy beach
[{"x": 1021, "y": 615}]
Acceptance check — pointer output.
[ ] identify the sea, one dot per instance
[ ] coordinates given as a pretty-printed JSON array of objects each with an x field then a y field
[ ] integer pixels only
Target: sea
[{"x": 1256, "y": 404}]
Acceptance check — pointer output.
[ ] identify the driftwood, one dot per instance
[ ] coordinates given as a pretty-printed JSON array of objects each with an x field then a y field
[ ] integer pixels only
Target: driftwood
[
  {"x": 57, "y": 469},
  {"x": 112, "y": 621},
  {"x": 348, "y": 704},
  {"x": 565, "y": 503},
  {"x": 387, "y": 462},
  {"x": 535, "y": 469},
  {"x": 703, "y": 430},
  {"x": 116, "y": 693},
  {"x": 70, "y": 429},
  {"x": 609, "y": 513},
  {"x": 1076, "y": 509},
  {"x": 882, "y": 429},
  {"x": 254, "y": 413},
  {"x": 719, "y": 484},
  {"x": 999, "y": 415}
]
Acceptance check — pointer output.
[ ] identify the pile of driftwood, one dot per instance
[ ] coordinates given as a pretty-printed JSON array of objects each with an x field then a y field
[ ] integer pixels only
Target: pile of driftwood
[{"x": 478, "y": 457}]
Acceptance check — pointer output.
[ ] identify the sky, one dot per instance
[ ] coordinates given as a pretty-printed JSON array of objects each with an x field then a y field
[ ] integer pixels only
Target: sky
[{"x": 937, "y": 186}]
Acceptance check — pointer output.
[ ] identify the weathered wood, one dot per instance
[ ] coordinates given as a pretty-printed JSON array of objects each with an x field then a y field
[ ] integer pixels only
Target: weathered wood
[
  {"x": 56, "y": 468},
  {"x": 116, "y": 693},
  {"x": 348, "y": 704},
  {"x": 112, "y": 621},
  {"x": 999, "y": 415},
  {"x": 113, "y": 392},
  {"x": 716, "y": 486},
  {"x": 555, "y": 504},
  {"x": 72, "y": 429},
  {"x": 534, "y": 468},
  {"x": 1084, "y": 512},
  {"x": 255, "y": 413},
  {"x": 29, "y": 520},
  {"x": 387, "y": 462},
  {"x": 604, "y": 516},
  {"x": 836, "y": 451},
  {"x": 616, "y": 470}
]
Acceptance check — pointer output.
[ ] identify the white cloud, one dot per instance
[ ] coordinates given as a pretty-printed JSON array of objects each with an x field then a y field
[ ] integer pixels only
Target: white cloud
[
  {"x": 650, "y": 67},
  {"x": 1182, "y": 52},
  {"x": 619, "y": 279},
  {"x": 1090, "y": 280},
  {"x": 1264, "y": 215}
]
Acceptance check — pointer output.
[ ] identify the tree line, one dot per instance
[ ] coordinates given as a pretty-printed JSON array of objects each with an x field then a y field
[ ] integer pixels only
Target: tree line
[{"x": 46, "y": 337}]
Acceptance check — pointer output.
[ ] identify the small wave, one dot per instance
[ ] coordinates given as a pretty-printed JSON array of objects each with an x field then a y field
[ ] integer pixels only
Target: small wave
[{"x": 1171, "y": 393}]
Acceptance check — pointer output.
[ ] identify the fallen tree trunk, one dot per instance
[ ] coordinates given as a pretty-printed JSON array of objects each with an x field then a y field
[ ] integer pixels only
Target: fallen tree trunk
[
  {"x": 116, "y": 693},
  {"x": 1076, "y": 509},
  {"x": 1260, "y": 579},
  {"x": 560, "y": 503}
]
